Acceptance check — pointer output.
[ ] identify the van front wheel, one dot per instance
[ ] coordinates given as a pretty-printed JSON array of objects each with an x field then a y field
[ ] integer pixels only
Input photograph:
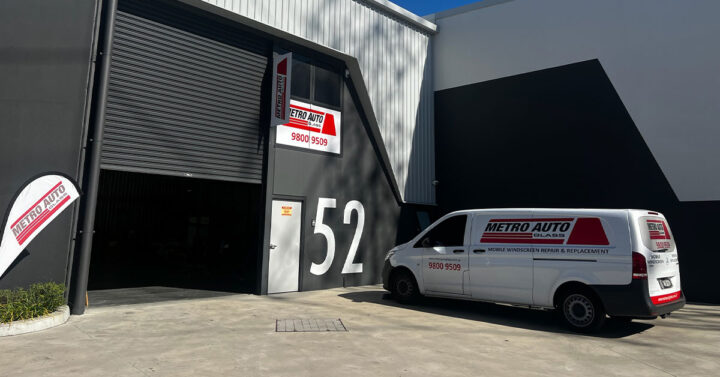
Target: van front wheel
[
  {"x": 404, "y": 288},
  {"x": 582, "y": 311}
]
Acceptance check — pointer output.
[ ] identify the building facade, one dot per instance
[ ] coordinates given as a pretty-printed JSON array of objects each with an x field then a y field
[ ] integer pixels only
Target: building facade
[{"x": 160, "y": 110}]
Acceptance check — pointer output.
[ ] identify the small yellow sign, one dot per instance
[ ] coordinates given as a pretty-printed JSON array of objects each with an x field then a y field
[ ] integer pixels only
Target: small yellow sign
[{"x": 286, "y": 211}]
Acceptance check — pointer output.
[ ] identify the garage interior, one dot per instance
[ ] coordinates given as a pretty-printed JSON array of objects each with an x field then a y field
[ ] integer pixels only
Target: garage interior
[
  {"x": 156, "y": 230},
  {"x": 179, "y": 194}
]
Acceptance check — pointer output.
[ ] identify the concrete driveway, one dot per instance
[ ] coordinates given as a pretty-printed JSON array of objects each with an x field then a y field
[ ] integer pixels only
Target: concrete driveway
[{"x": 189, "y": 333}]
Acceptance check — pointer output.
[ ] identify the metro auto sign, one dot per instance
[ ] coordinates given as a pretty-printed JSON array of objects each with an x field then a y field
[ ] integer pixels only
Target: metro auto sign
[
  {"x": 282, "y": 72},
  {"x": 34, "y": 208},
  {"x": 311, "y": 127}
]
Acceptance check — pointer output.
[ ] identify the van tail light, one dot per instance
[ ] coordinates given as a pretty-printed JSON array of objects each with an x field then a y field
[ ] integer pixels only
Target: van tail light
[{"x": 639, "y": 266}]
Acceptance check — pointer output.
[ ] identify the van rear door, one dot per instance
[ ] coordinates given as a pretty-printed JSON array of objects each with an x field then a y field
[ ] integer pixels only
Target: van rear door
[{"x": 658, "y": 248}]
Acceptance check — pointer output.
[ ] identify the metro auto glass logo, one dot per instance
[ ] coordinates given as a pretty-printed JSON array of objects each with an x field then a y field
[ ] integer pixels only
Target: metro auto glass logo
[
  {"x": 311, "y": 120},
  {"x": 39, "y": 213},
  {"x": 548, "y": 231},
  {"x": 311, "y": 127},
  {"x": 281, "y": 89},
  {"x": 658, "y": 230},
  {"x": 35, "y": 206}
]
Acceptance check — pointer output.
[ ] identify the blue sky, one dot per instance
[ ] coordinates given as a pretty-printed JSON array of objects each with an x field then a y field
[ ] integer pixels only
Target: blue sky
[{"x": 423, "y": 7}]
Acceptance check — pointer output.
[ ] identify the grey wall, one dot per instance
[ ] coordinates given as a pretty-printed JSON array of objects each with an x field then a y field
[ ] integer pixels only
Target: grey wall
[
  {"x": 542, "y": 139},
  {"x": 45, "y": 54},
  {"x": 355, "y": 175},
  {"x": 660, "y": 56},
  {"x": 393, "y": 54}
]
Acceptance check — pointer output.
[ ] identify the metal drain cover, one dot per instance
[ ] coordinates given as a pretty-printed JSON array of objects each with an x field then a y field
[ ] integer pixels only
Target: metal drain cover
[{"x": 309, "y": 325}]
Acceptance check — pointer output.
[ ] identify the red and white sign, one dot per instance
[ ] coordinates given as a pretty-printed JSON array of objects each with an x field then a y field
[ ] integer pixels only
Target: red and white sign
[
  {"x": 282, "y": 70},
  {"x": 547, "y": 231},
  {"x": 37, "y": 205},
  {"x": 311, "y": 127}
]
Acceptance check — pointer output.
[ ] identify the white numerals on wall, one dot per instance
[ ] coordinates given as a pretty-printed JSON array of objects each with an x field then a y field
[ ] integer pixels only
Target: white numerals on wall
[
  {"x": 319, "y": 269},
  {"x": 349, "y": 267},
  {"x": 354, "y": 205}
]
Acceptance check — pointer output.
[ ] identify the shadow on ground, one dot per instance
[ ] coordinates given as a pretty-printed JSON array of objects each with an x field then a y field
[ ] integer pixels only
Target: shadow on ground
[
  {"x": 496, "y": 314},
  {"x": 145, "y": 295}
]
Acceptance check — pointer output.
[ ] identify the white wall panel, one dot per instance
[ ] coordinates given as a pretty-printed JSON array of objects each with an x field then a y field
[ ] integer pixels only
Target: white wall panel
[{"x": 393, "y": 56}]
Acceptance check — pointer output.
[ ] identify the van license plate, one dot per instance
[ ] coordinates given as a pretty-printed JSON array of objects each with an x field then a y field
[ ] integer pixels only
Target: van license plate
[{"x": 665, "y": 283}]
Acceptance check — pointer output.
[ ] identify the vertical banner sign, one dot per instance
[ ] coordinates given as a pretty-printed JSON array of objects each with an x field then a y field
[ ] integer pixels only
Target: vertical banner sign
[
  {"x": 37, "y": 205},
  {"x": 311, "y": 127},
  {"x": 282, "y": 69}
]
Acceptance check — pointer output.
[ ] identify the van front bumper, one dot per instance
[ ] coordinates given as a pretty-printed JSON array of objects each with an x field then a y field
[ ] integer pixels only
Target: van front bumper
[
  {"x": 633, "y": 300},
  {"x": 386, "y": 274}
]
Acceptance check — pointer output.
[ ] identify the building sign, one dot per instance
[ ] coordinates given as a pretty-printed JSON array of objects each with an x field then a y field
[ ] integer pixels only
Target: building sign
[
  {"x": 282, "y": 69},
  {"x": 36, "y": 206},
  {"x": 311, "y": 127}
]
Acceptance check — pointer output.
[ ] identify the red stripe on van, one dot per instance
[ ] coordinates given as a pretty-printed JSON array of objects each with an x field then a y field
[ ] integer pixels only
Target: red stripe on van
[
  {"x": 523, "y": 241},
  {"x": 528, "y": 220},
  {"x": 664, "y": 299},
  {"x": 588, "y": 231}
]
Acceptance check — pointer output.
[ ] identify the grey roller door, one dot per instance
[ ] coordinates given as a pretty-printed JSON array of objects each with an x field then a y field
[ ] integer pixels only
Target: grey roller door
[{"x": 182, "y": 104}]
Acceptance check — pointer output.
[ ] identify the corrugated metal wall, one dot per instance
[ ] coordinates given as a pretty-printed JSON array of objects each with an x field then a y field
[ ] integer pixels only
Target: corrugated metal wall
[
  {"x": 182, "y": 104},
  {"x": 395, "y": 63}
]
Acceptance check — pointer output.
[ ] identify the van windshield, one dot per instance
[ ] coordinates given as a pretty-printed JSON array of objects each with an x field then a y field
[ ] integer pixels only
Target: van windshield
[{"x": 656, "y": 234}]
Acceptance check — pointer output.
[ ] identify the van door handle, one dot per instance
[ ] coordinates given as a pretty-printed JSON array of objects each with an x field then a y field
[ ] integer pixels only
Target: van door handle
[
  {"x": 272, "y": 247},
  {"x": 458, "y": 251},
  {"x": 478, "y": 251}
]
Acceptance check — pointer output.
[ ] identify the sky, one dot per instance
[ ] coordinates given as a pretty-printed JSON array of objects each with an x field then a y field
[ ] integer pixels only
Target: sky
[{"x": 425, "y": 7}]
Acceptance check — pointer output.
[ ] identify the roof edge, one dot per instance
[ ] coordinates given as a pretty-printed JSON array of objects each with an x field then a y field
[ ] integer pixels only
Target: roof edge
[
  {"x": 404, "y": 14},
  {"x": 464, "y": 9}
]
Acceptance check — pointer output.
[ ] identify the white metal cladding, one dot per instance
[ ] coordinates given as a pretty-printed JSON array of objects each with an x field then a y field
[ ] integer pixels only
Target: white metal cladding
[
  {"x": 182, "y": 104},
  {"x": 395, "y": 63}
]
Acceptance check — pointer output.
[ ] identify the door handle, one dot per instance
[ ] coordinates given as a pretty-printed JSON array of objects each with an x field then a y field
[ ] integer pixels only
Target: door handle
[
  {"x": 478, "y": 251},
  {"x": 272, "y": 247},
  {"x": 458, "y": 251}
]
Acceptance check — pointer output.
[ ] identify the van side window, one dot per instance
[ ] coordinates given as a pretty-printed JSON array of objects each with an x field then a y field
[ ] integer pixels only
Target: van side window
[{"x": 449, "y": 233}]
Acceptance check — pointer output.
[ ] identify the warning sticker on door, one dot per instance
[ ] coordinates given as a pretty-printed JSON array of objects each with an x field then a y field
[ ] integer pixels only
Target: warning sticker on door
[
  {"x": 286, "y": 211},
  {"x": 311, "y": 127}
]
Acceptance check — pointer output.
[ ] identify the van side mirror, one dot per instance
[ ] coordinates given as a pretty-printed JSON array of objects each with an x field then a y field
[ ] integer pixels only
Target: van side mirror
[{"x": 426, "y": 242}]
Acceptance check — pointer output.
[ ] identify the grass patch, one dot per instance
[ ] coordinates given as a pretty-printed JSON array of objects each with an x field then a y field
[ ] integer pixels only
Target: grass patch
[{"x": 40, "y": 299}]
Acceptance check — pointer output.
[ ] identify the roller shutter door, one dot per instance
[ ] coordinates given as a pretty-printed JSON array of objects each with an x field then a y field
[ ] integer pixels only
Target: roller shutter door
[{"x": 181, "y": 103}]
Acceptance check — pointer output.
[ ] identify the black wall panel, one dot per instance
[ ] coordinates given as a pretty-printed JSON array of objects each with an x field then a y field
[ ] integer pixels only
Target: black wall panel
[
  {"x": 562, "y": 137},
  {"x": 45, "y": 60}
]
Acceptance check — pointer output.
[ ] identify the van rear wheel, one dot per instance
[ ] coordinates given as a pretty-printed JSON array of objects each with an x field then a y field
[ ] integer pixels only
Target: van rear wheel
[
  {"x": 404, "y": 287},
  {"x": 582, "y": 311}
]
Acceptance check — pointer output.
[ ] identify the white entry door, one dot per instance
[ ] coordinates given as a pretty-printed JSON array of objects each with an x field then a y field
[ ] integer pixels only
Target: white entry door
[{"x": 284, "y": 262}]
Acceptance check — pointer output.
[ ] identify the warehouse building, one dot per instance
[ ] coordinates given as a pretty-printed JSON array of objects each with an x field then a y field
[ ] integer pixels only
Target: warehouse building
[{"x": 161, "y": 112}]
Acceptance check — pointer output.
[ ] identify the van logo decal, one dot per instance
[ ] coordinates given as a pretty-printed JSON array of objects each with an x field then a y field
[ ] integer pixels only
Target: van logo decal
[
  {"x": 549, "y": 231},
  {"x": 658, "y": 230}
]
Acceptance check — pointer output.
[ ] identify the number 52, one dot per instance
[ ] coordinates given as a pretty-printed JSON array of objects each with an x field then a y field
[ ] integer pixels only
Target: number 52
[{"x": 349, "y": 267}]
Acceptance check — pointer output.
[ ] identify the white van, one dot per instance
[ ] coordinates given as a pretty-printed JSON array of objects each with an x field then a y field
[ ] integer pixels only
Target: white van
[{"x": 584, "y": 262}]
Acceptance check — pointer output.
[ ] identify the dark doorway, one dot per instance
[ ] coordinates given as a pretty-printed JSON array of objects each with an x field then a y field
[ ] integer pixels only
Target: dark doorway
[{"x": 153, "y": 230}]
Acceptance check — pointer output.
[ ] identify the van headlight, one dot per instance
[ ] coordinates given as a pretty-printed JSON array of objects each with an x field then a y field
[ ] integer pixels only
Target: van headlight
[{"x": 389, "y": 254}]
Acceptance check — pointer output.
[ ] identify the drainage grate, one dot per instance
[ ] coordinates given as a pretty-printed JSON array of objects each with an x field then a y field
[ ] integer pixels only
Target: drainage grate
[{"x": 309, "y": 325}]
